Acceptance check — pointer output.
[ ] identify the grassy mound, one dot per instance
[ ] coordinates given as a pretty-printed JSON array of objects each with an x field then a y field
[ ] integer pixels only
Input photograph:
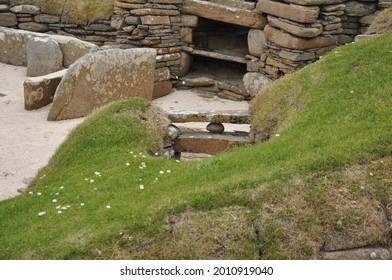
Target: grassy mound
[
  {"x": 74, "y": 11},
  {"x": 323, "y": 184}
]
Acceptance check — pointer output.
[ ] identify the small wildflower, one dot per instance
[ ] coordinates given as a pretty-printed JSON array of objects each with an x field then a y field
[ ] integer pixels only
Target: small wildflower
[
  {"x": 31, "y": 193},
  {"x": 141, "y": 187},
  {"x": 127, "y": 164},
  {"x": 58, "y": 207},
  {"x": 131, "y": 152},
  {"x": 97, "y": 173},
  {"x": 82, "y": 204},
  {"x": 59, "y": 212},
  {"x": 168, "y": 171},
  {"x": 63, "y": 208},
  {"x": 62, "y": 187},
  {"x": 156, "y": 154},
  {"x": 140, "y": 153},
  {"x": 277, "y": 135},
  {"x": 54, "y": 200},
  {"x": 91, "y": 181},
  {"x": 56, "y": 193},
  {"x": 177, "y": 161},
  {"x": 39, "y": 194},
  {"x": 371, "y": 174},
  {"x": 41, "y": 213},
  {"x": 143, "y": 156},
  {"x": 161, "y": 172},
  {"x": 108, "y": 206},
  {"x": 95, "y": 189},
  {"x": 86, "y": 179},
  {"x": 351, "y": 91}
]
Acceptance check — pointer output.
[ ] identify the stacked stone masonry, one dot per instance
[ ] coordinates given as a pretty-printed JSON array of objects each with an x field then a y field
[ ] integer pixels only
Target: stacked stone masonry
[
  {"x": 282, "y": 36},
  {"x": 30, "y": 18}
]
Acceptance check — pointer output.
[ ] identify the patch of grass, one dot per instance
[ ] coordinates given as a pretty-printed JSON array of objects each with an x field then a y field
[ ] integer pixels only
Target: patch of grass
[
  {"x": 292, "y": 197},
  {"x": 74, "y": 11}
]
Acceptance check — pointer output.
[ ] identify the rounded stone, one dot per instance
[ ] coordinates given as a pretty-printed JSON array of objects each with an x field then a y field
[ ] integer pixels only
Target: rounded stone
[{"x": 216, "y": 128}]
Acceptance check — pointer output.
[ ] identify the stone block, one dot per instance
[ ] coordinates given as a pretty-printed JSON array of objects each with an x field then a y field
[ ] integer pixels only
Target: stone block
[
  {"x": 254, "y": 82},
  {"x": 289, "y": 41},
  {"x": 8, "y": 20},
  {"x": 162, "y": 74},
  {"x": 209, "y": 143},
  {"x": 315, "y": 2},
  {"x": 256, "y": 42},
  {"x": 187, "y": 35},
  {"x": 295, "y": 28},
  {"x": 155, "y": 20},
  {"x": 162, "y": 89},
  {"x": 189, "y": 21},
  {"x": 185, "y": 64},
  {"x": 295, "y": 56},
  {"x": 358, "y": 9},
  {"x": 44, "y": 18},
  {"x": 39, "y": 91},
  {"x": 34, "y": 26},
  {"x": 292, "y": 12},
  {"x": 223, "y": 13},
  {"x": 44, "y": 56},
  {"x": 103, "y": 77},
  {"x": 4, "y": 8},
  {"x": 26, "y": 9}
]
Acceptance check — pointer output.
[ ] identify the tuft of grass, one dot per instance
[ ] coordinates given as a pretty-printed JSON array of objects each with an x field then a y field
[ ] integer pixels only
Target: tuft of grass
[
  {"x": 74, "y": 11},
  {"x": 382, "y": 23},
  {"x": 292, "y": 197}
]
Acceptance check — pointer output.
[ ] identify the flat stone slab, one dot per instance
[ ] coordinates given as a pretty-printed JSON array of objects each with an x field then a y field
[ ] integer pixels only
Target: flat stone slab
[
  {"x": 222, "y": 116},
  {"x": 39, "y": 91},
  {"x": 209, "y": 143}
]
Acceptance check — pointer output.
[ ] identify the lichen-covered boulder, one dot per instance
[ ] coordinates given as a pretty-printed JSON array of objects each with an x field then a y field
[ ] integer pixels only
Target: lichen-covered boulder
[{"x": 100, "y": 78}]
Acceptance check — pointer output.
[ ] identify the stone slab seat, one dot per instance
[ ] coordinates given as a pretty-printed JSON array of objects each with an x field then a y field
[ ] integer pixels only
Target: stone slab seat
[
  {"x": 222, "y": 116},
  {"x": 39, "y": 91},
  {"x": 209, "y": 143}
]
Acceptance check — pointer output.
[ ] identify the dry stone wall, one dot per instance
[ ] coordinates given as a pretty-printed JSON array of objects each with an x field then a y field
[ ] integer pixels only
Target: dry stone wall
[
  {"x": 31, "y": 18},
  {"x": 283, "y": 35}
]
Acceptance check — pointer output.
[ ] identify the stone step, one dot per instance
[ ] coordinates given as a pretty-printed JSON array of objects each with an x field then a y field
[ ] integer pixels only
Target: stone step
[
  {"x": 209, "y": 143},
  {"x": 222, "y": 116}
]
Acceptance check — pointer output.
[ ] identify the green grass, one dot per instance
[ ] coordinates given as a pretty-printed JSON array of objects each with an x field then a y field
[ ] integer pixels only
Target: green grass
[
  {"x": 74, "y": 11},
  {"x": 292, "y": 197}
]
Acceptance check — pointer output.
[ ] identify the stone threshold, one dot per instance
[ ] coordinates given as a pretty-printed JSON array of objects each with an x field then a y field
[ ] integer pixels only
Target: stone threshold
[
  {"x": 210, "y": 143},
  {"x": 224, "y": 116}
]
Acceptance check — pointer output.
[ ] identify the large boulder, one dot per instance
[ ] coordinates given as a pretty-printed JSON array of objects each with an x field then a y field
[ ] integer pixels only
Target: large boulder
[
  {"x": 254, "y": 82},
  {"x": 44, "y": 56},
  {"x": 100, "y": 78}
]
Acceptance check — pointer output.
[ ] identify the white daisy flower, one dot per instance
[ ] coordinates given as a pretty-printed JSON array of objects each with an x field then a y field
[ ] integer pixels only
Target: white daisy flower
[
  {"x": 59, "y": 212},
  {"x": 108, "y": 206},
  {"x": 161, "y": 172},
  {"x": 41, "y": 213},
  {"x": 54, "y": 200},
  {"x": 91, "y": 181},
  {"x": 141, "y": 187},
  {"x": 82, "y": 204},
  {"x": 127, "y": 164},
  {"x": 39, "y": 194}
]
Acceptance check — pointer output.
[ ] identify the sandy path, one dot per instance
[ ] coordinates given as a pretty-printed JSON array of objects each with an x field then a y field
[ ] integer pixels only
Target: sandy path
[{"x": 27, "y": 139}]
